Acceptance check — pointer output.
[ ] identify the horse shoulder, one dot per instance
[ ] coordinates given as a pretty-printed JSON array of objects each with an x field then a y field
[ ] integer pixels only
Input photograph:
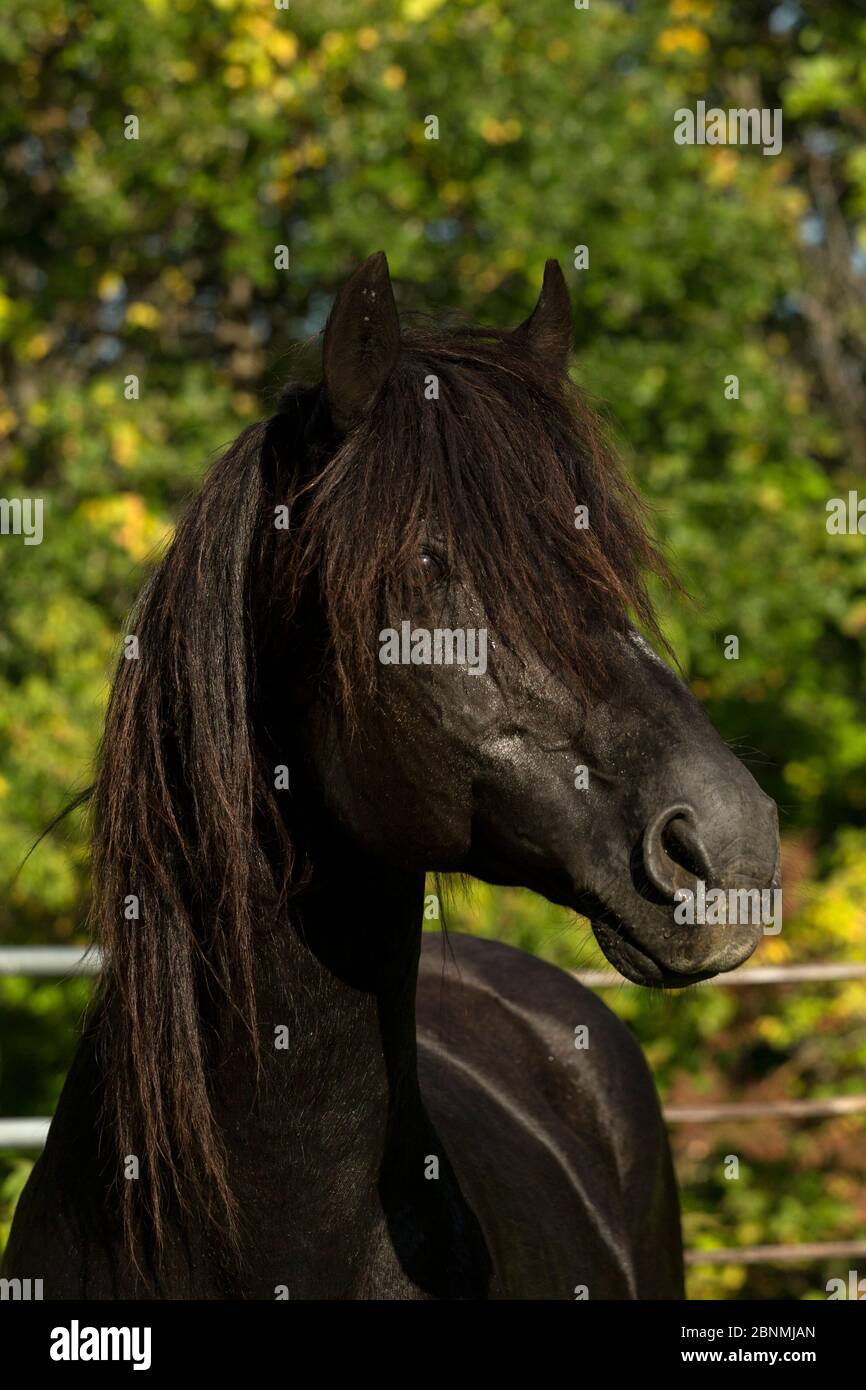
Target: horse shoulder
[{"x": 550, "y": 1117}]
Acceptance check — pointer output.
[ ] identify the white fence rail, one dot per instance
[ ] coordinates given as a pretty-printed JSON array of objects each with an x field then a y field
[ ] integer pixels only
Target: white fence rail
[
  {"x": 23, "y": 1134},
  {"x": 779, "y": 1254},
  {"x": 44, "y": 961}
]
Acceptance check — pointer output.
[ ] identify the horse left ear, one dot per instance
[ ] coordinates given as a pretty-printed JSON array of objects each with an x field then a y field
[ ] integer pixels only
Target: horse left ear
[
  {"x": 548, "y": 328},
  {"x": 362, "y": 342}
]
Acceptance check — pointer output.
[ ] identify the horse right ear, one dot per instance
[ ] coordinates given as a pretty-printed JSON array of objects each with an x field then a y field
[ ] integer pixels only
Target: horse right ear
[
  {"x": 362, "y": 342},
  {"x": 548, "y": 328}
]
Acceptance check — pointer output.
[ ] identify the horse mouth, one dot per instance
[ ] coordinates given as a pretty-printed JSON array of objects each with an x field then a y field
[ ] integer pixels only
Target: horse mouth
[
  {"x": 636, "y": 963},
  {"x": 644, "y": 940}
]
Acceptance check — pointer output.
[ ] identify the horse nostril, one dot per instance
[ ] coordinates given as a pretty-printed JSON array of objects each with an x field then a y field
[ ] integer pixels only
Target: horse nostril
[
  {"x": 683, "y": 846},
  {"x": 673, "y": 854}
]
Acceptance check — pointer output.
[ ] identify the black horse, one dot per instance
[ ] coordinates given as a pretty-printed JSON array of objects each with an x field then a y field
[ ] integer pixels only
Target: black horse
[{"x": 391, "y": 636}]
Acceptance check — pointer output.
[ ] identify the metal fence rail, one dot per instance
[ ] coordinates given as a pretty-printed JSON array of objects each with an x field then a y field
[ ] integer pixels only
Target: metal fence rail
[
  {"x": 755, "y": 975},
  {"x": 766, "y": 1109},
  {"x": 778, "y": 1254},
  {"x": 43, "y": 961},
  {"x": 23, "y": 1134}
]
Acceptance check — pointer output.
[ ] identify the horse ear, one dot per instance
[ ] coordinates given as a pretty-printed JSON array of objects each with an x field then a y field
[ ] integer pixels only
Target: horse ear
[
  {"x": 548, "y": 328},
  {"x": 362, "y": 342}
]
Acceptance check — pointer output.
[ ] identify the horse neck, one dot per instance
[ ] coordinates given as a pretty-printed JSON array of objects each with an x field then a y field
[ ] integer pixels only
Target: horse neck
[
  {"x": 340, "y": 979},
  {"x": 327, "y": 1137}
]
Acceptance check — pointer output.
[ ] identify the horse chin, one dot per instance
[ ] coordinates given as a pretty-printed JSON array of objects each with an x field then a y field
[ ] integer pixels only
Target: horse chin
[{"x": 636, "y": 964}]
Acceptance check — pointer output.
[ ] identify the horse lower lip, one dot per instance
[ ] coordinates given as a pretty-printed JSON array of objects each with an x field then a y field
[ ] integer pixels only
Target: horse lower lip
[
  {"x": 638, "y": 963},
  {"x": 626, "y": 956}
]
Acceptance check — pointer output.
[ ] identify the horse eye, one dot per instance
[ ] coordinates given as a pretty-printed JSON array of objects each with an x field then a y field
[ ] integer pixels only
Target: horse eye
[{"x": 432, "y": 567}]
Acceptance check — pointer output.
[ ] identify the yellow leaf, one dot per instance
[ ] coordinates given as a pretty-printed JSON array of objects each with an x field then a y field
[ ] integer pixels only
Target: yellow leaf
[
  {"x": 500, "y": 132},
  {"x": 109, "y": 285},
  {"x": 142, "y": 315},
  {"x": 722, "y": 168},
  {"x": 37, "y": 347},
  {"x": 125, "y": 441},
  {"x": 684, "y": 36},
  {"x": 8, "y": 421},
  {"x": 283, "y": 47},
  {"x": 416, "y": 11},
  {"x": 127, "y": 519}
]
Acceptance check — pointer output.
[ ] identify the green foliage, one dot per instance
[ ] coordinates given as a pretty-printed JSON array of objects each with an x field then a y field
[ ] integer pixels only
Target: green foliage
[{"x": 306, "y": 127}]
